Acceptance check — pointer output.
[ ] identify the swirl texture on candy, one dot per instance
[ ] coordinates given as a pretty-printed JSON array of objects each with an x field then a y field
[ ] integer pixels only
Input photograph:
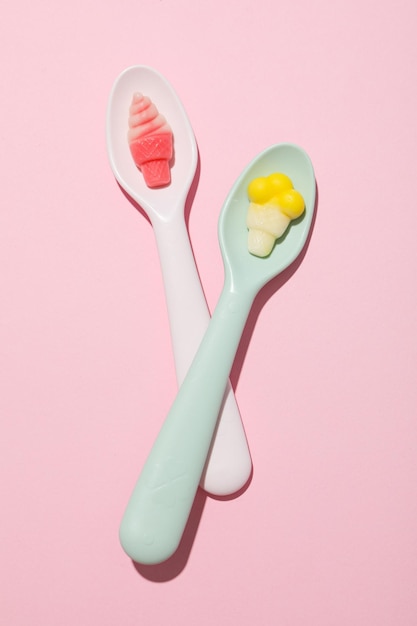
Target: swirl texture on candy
[
  {"x": 273, "y": 204},
  {"x": 150, "y": 140}
]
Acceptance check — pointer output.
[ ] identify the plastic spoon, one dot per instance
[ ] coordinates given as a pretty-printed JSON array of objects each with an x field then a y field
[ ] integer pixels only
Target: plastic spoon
[
  {"x": 159, "y": 507},
  {"x": 229, "y": 464}
]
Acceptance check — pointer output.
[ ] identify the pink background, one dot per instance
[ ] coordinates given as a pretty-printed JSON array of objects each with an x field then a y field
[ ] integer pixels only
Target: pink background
[{"x": 325, "y": 378}]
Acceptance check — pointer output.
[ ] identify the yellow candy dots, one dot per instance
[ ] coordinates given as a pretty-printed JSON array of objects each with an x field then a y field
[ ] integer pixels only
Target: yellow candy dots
[{"x": 273, "y": 204}]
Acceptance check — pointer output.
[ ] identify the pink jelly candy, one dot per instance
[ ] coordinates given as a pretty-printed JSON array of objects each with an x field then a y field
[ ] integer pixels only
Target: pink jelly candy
[{"x": 150, "y": 141}]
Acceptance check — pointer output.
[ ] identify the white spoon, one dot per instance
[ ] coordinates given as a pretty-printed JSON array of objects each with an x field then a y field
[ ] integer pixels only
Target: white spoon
[
  {"x": 159, "y": 507},
  {"x": 229, "y": 464}
]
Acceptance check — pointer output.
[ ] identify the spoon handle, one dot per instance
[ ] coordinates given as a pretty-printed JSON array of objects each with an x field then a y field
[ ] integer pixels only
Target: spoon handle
[
  {"x": 158, "y": 510},
  {"x": 229, "y": 465}
]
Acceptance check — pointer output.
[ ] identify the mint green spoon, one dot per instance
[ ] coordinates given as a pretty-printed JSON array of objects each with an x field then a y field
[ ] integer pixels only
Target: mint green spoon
[{"x": 158, "y": 510}]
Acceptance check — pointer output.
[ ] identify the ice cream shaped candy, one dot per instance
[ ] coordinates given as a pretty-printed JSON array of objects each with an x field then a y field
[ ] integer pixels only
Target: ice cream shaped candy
[
  {"x": 150, "y": 141},
  {"x": 273, "y": 204}
]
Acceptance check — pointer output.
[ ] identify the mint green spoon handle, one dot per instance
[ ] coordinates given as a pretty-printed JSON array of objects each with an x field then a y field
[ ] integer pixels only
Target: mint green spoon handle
[{"x": 159, "y": 507}]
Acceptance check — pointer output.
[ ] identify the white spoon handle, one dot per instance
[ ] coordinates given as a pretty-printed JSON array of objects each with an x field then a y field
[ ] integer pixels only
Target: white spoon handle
[
  {"x": 228, "y": 465},
  {"x": 159, "y": 507}
]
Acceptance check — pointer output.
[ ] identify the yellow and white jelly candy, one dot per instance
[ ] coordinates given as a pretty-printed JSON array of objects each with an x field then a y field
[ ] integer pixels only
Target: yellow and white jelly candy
[{"x": 273, "y": 204}]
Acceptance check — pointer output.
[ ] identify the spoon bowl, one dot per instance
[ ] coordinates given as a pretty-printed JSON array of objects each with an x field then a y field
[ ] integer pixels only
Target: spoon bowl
[
  {"x": 241, "y": 267},
  {"x": 159, "y": 507},
  {"x": 229, "y": 465},
  {"x": 160, "y": 202}
]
